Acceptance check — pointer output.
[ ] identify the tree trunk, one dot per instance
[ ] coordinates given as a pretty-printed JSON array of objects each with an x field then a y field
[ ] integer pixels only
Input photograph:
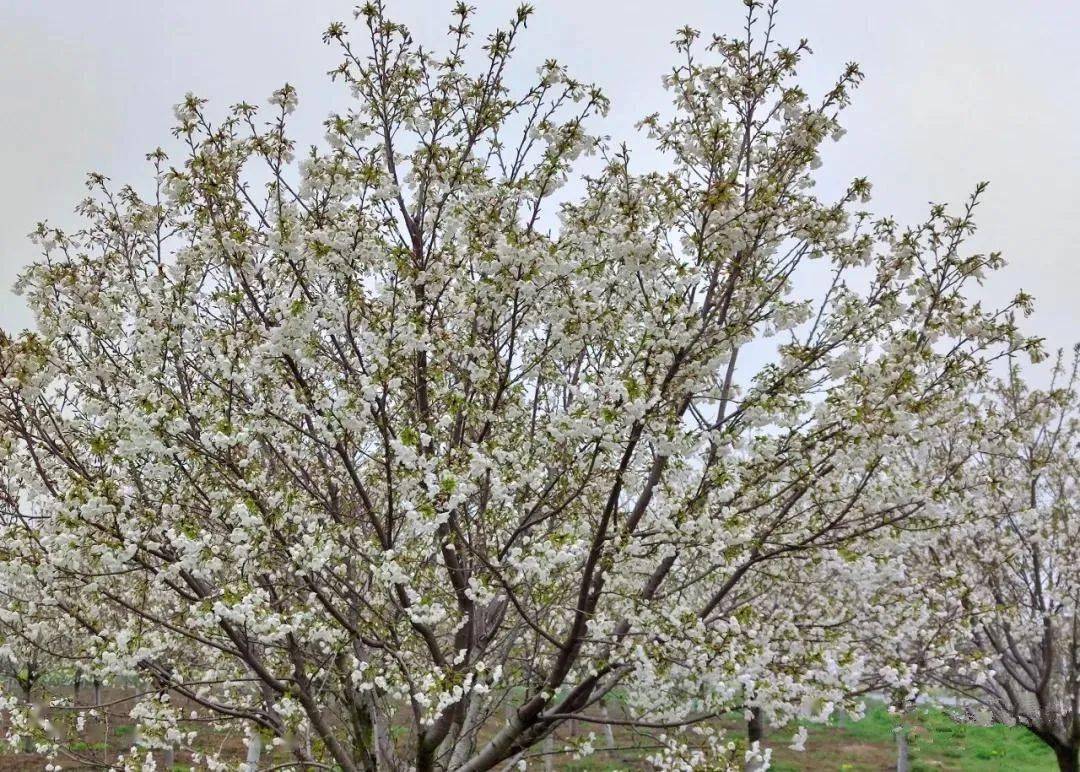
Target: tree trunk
[
  {"x": 1068, "y": 758},
  {"x": 755, "y": 727},
  {"x": 97, "y": 692},
  {"x": 549, "y": 753},
  {"x": 609, "y": 730},
  {"x": 363, "y": 731},
  {"x": 385, "y": 757},
  {"x": 27, "y": 695},
  {"x": 755, "y": 733},
  {"x": 77, "y": 688},
  {"x": 464, "y": 739},
  {"x": 169, "y": 758},
  {"x": 425, "y": 757}
]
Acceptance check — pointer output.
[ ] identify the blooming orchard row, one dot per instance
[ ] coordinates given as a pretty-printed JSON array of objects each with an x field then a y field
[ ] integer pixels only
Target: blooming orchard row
[{"x": 417, "y": 449}]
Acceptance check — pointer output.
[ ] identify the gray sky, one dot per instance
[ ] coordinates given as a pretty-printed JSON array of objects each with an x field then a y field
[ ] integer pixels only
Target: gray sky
[{"x": 956, "y": 91}]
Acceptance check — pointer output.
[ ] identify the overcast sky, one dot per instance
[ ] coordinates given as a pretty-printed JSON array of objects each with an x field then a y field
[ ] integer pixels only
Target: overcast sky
[{"x": 957, "y": 91}]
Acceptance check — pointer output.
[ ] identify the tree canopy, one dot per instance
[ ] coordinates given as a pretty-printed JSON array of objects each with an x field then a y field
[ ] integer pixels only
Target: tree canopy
[{"x": 460, "y": 426}]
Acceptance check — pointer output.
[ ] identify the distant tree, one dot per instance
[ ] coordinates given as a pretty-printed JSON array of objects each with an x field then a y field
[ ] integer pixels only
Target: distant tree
[
  {"x": 32, "y": 649},
  {"x": 391, "y": 439},
  {"x": 25, "y": 669},
  {"x": 1013, "y": 569}
]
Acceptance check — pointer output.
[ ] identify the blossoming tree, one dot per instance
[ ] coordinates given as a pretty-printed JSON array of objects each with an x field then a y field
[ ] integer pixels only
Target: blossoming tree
[
  {"x": 412, "y": 435},
  {"x": 1012, "y": 568}
]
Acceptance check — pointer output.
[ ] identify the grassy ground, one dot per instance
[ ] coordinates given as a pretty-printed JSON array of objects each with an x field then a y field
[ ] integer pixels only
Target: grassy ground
[{"x": 937, "y": 742}]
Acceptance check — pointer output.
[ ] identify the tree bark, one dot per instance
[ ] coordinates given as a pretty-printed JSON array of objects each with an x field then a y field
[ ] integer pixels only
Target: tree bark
[
  {"x": 464, "y": 738},
  {"x": 609, "y": 730},
  {"x": 549, "y": 753},
  {"x": 386, "y": 758},
  {"x": 363, "y": 730},
  {"x": 755, "y": 733},
  {"x": 1068, "y": 758},
  {"x": 755, "y": 727},
  {"x": 27, "y": 695}
]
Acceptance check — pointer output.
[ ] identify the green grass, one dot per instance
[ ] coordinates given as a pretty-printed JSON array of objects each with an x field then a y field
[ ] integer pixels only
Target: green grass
[{"x": 936, "y": 742}]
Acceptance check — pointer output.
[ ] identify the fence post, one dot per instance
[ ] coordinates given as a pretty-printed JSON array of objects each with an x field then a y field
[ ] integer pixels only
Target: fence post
[
  {"x": 254, "y": 751},
  {"x": 902, "y": 764}
]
